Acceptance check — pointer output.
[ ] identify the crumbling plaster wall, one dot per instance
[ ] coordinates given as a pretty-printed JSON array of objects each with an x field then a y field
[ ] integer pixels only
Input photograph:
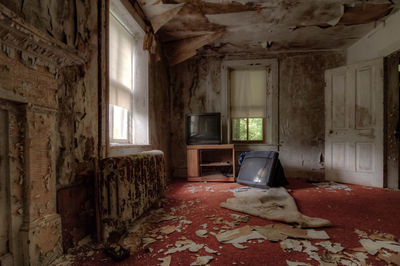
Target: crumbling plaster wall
[
  {"x": 62, "y": 113},
  {"x": 66, "y": 134},
  {"x": 74, "y": 23},
  {"x": 196, "y": 87},
  {"x": 40, "y": 233}
]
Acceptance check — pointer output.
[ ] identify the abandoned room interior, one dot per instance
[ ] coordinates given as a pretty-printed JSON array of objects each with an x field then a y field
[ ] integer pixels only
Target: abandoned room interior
[{"x": 199, "y": 132}]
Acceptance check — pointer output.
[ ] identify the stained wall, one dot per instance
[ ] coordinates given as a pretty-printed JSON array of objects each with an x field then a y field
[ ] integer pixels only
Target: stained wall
[
  {"x": 64, "y": 126},
  {"x": 196, "y": 87},
  {"x": 63, "y": 130}
]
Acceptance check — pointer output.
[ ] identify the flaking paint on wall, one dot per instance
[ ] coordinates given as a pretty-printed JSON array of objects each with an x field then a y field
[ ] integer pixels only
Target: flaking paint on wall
[
  {"x": 61, "y": 116},
  {"x": 65, "y": 127},
  {"x": 196, "y": 87}
]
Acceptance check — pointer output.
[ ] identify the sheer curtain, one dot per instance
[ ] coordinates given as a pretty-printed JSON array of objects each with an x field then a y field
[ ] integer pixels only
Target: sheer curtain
[
  {"x": 248, "y": 93},
  {"x": 121, "y": 65},
  {"x": 128, "y": 75}
]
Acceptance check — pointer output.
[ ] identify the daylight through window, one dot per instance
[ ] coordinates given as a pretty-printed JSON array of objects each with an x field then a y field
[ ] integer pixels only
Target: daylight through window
[
  {"x": 128, "y": 92},
  {"x": 248, "y": 104}
]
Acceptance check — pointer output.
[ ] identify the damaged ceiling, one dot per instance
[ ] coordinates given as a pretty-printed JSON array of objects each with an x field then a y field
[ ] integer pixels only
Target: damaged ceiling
[{"x": 257, "y": 26}]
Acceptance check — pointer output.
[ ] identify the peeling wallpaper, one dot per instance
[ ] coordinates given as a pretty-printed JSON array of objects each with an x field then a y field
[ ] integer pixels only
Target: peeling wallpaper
[
  {"x": 62, "y": 115},
  {"x": 75, "y": 24},
  {"x": 196, "y": 87}
]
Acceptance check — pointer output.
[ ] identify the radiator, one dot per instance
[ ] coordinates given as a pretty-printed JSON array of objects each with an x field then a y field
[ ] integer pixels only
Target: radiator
[{"x": 129, "y": 186}]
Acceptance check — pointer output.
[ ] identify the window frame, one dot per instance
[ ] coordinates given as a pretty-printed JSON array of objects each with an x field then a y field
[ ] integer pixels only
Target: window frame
[
  {"x": 111, "y": 127},
  {"x": 270, "y": 122},
  {"x": 131, "y": 21},
  {"x": 128, "y": 140},
  {"x": 247, "y": 135}
]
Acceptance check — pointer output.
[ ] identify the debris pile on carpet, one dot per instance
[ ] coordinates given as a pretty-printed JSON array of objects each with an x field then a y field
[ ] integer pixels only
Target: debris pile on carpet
[
  {"x": 192, "y": 229},
  {"x": 332, "y": 186}
]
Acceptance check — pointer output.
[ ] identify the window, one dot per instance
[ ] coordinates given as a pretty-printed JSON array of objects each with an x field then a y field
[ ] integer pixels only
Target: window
[
  {"x": 250, "y": 102},
  {"x": 128, "y": 84},
  {"x": 248, "y": 89}
]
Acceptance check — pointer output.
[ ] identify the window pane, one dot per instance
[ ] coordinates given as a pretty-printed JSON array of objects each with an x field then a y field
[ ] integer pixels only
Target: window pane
[
  {"x": 239, "y": 129},
  {"x": 255, "y": 129},
  {"x": 121, "y": 54},
  {"x": 128, "y": 79},
  {"x": 120, "y": 123}
]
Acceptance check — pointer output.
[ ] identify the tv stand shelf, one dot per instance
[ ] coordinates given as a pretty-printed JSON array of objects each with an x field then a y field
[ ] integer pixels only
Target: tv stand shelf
[{"x": 211, "y": 162}]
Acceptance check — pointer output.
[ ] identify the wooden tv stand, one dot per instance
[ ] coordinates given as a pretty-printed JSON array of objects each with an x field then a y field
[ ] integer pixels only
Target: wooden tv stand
[{"x": 211, "y": 162}]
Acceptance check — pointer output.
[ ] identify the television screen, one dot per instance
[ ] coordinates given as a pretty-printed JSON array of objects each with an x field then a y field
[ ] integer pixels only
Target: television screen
[{"x": 203, "y": 128}]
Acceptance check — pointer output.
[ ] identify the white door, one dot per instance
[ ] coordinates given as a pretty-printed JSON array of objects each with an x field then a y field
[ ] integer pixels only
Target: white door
[{"x": 354, "y": 123}]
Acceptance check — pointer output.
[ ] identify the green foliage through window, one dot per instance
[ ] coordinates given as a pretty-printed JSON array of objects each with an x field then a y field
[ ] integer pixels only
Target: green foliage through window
[{"x": 247, "y": 129}]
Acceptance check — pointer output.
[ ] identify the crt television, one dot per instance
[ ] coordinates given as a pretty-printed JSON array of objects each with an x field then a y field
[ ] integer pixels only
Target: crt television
[{"x": 203, "y": 128}]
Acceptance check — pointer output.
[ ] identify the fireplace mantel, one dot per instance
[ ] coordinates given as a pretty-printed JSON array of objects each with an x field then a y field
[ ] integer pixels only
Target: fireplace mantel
[
  {"x": 35, "y": 46},
  {"x": 29, "y": 62}
]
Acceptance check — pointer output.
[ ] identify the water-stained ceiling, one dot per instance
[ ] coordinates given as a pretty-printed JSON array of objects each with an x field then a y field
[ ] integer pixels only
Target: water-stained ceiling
[{"x": 257, "y": 26}]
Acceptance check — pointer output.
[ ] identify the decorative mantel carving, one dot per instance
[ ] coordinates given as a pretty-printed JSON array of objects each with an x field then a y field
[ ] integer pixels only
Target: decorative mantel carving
[{"x": 37, "y": 46}]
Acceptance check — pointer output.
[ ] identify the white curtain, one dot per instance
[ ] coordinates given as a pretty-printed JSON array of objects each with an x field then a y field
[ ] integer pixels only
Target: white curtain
[
  {"x": 128, "y": 75},
  {"x": 140, "y": 120},
  {"x": 121, "y": 64},
  {"x": 248, "y": 93}
]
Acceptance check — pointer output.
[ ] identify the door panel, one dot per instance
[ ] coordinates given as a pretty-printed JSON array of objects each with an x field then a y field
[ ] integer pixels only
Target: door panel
[
  {"x": 364, "y": 98},
  {"x": 365, "y": 157},
  {"x": 354, "y": 123},
  {"x": 338, "y": 98},
  {"x": 339, "y": 155}
]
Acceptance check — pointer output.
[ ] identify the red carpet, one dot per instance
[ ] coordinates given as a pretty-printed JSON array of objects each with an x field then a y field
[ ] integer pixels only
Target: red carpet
[{"x": 365, "y": 208}]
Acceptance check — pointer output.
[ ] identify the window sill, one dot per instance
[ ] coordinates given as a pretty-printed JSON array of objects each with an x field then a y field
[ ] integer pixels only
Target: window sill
[
  {"x": 120, "y": 149},
  {"x": 256, "y": 147}
]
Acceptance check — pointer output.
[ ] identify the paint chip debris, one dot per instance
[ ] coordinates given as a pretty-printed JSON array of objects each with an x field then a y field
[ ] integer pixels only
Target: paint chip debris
[
  {"x": 202, "y": 233},
  {"x": 188, "y": 245},
  {"x": 166, "y": 261},
  {"x": 148, "y": 240},
  {"x": 211, "y": 251},
  {"x": 291, "y": 244},
  {"x": 239, "y": 246},
  {"x": 209, "y": 189},
  {"x": 295, "y": 263},
  {"x": 202, "y": 260},
  {"x": 332, "y": 186},
  {"x": 168, "y": 229},
  {"x": 372, "y": 247},
  {"x": 331, "y": 247}
]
